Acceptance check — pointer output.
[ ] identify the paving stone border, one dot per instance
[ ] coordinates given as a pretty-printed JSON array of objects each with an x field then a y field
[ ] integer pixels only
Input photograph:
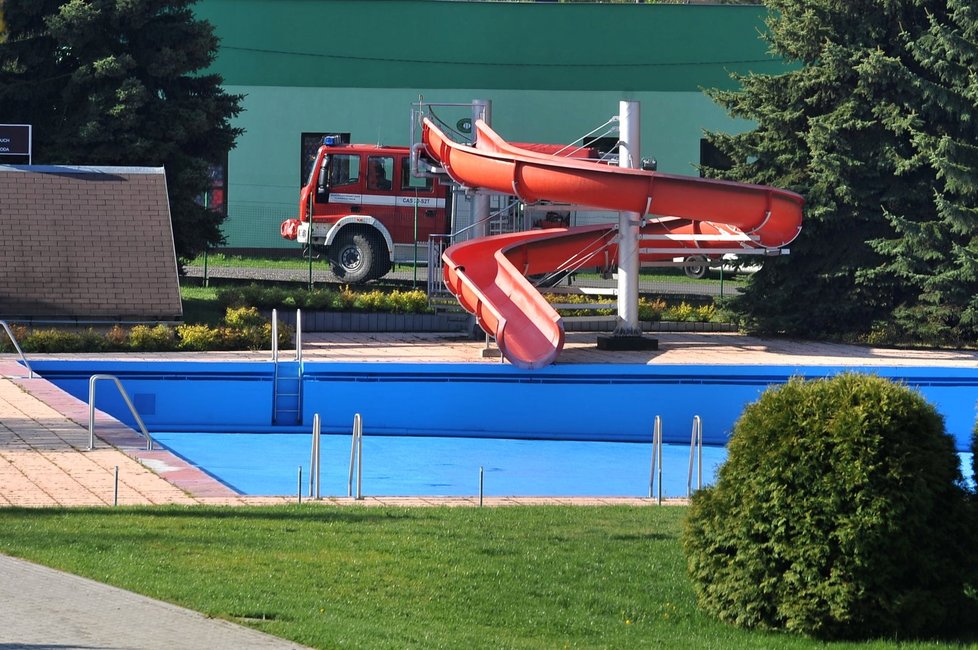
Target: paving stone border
[{"x": 330, "y": 321}]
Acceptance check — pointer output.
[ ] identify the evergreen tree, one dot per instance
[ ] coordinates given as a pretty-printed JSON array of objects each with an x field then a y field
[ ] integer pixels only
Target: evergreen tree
[
  {"x": 872, "y": 126},
  {"x": 107, "y": 82},
  {"x": 935, "y": 251}
]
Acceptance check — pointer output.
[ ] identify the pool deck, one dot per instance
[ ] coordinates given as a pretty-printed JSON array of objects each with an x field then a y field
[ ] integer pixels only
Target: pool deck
[{"x": 44, "y": 439}]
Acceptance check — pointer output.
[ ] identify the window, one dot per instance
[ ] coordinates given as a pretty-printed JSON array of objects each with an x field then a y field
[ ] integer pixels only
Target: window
[
  {"x": 344, "y": 169},
  {"x": 380, "y": 170},
  {"x": 412, "y": 182},
  {"x": 710, "y": 156},
  {"x": 309, "y": 145},
  {"x": 215, "y": 198},
  {"x": 604, "y": 145}
]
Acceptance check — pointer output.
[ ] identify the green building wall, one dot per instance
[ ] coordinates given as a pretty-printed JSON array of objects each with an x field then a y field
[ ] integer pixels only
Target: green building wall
[{"x": 553, "y": 72}]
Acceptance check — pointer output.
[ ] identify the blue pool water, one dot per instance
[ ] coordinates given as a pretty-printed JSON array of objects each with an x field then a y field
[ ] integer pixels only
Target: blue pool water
[{"x": 267, "y": 464}]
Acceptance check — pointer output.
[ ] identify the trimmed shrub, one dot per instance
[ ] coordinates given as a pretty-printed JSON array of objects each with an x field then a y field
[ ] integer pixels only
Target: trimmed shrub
[
  {"x": 345, "y": 299},
  {"x": 199, "y": 338},
  {"x": 839, "y": 513},
  {"x": 159, "y": 338},
  {"x": 53, "y": 340}
]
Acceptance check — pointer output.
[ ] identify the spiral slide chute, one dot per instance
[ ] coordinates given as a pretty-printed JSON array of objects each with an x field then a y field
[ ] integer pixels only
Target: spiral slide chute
[{"x": 696, "y": 215}]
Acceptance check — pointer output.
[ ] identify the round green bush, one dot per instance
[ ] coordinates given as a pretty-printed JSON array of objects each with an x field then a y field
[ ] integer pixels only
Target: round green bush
[{"x": 839, "y": 513}]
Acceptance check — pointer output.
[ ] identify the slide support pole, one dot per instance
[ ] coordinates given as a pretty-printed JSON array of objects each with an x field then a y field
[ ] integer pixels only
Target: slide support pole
[
  {"x": 629, "y": 224},
  {"x": 481, "y": 110}
]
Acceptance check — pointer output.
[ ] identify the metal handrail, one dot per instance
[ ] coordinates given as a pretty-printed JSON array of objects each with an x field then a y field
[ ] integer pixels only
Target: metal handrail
[
  {"x": 695, "y": 454},
  {"x": 132, "y": 409},
  {"x": 656, "y": 469},
  {"x": 298, "y": 335},
  {"x": 274, "y": 335},
  {"x": 13, "y": 339},
  {"x": 356, "y": 459},
  {"x": 314, "y": 471}
]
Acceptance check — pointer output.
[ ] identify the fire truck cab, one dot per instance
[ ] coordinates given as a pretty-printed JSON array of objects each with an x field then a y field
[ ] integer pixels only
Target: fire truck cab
[{"x": 361, "y": 203}]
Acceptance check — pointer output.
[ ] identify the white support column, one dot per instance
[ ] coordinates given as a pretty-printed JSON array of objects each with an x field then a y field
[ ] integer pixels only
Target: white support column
[
  {"x": 481, "y": 110},
  {"x": 629, "y": 224}
]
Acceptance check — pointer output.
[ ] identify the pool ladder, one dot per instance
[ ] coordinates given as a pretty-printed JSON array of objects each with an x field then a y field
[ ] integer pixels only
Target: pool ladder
[
  {"x": 695, "y": 459},
  {"x": 287, "y": 377}
]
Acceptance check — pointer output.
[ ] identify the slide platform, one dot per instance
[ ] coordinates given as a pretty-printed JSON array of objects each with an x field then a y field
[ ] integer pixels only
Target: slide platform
[{"x": 690, "y": 215}]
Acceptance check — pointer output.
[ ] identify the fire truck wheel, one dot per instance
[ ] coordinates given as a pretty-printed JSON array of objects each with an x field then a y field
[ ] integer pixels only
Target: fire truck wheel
[
  {"x": 696, "y": 266},
  {"x": 357, "y": 257}
]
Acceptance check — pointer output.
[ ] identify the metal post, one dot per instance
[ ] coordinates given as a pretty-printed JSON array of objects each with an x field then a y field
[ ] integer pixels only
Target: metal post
[
  {"x": 275, "y": 335},
  {"x": 481, "y": 110},
  {"x": 298, "y": 492},
  {"x": 629, "y": 224},
  {"x": 359, "y": 459},
  {"x": 115, "y": 494},
  {"x": 656, "y": 465},
  {"x": 315, "y": 467},
  {"x": 695, "y": 444},
  {"x": 659, "y": 445},
  {"x": 312, "y": 453},
  {"x": 298, "y": 335},
  {"x": 356, "y": 459},
  {"x": 699, "y": 457},
  {"x": 482, "y": 481}
]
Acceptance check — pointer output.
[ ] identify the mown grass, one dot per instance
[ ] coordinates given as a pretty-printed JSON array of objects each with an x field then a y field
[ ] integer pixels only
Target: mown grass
[
  {"x": 351, "y": 577},
  {"x": 295, "y": 262},
  {"x": 291, "y": 261},
  {"x": 200, "y": 305}
]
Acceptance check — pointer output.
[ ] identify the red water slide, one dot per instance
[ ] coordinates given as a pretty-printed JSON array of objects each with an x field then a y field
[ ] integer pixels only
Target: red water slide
[{"x": 692, "y": 216}]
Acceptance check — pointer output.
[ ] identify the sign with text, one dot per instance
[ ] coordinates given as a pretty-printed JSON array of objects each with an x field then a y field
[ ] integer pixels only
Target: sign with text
[{"x": 15, "y": 139}]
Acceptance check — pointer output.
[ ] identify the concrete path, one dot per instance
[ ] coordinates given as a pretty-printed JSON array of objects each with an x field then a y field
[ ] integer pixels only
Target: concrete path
[{"x": 43, "y": 608}]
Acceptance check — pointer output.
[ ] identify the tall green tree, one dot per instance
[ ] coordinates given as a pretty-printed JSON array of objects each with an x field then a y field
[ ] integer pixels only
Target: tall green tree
[
  {"x": 120, "y": 82},
  {"x": 874, "y": 126}
]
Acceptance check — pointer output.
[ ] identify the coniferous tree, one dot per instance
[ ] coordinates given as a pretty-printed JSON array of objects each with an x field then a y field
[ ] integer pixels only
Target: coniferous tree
[
  {"x": 119, "y": 83},
  {"x": 934, "y": 251},
  {"x": 858, "y": 127}
]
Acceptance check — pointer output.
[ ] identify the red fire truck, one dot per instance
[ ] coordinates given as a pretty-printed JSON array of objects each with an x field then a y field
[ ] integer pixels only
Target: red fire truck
[{"x": 364, "y": 203}]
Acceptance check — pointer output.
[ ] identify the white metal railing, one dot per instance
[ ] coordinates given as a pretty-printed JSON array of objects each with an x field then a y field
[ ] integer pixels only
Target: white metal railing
[
  {"x": 356, "y": 459},
  {"x": 695, "y": 456},
  {"x": 298, "y": 335},
  {"x": 13, "y": 339},
  {"x": 93, "y": 380},
  {"x": 655, "y": 473},
  {"x": 314, "y": 471}
]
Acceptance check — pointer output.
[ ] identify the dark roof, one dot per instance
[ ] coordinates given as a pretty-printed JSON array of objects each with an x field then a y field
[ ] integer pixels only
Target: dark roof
[{"x": 86, "y": 244}]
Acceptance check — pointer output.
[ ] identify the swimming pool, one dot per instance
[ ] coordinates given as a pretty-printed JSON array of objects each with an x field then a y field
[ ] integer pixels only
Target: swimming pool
[
  {"x": 263, "y": 464},
  {"x": 560, "y": 404}
]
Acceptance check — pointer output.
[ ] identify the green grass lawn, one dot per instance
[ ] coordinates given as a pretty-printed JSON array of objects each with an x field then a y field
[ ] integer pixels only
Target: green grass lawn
[
  {"x": 358, "y": 577},
  {"x": 296, "y": 262},
  {"x": 200, "y": 305}
]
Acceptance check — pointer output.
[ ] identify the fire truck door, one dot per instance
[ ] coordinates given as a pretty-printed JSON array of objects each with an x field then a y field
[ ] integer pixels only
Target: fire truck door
[
  {"x": 340, "y": 183},
  {"x": 378, "y": 197},
  {"x": 417, "y": 199}
]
